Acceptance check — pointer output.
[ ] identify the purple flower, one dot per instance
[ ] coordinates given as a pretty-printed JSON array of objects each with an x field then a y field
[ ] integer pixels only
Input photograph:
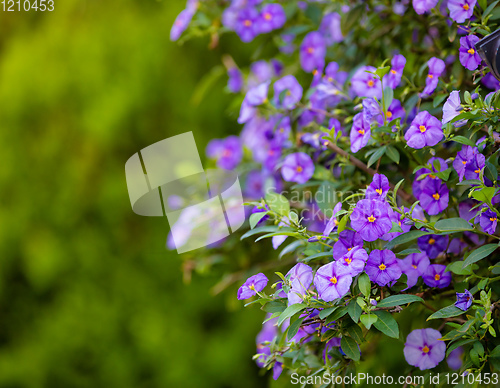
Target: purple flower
[
  {"x": 254, "y": 284},
  {"x": 181, "y": 23},
  {"x": 382, "y": 267},
  {"x": 370, "y": 218},
  {"x": 364, "y": 84},
  {"x": 371, "y": 109},
  {"x": 488, "y": 221},
  {"x": 435, "y": 276},
  {"x": 463, "y": 158},
  {"x": 468, "y": 56},
  {"x": 474, "y": 166},
  {"x": 414, "y": 266},
  {"x": 330, "y": 28},
  {"x": 228, "y": 152},
  {"x": 277, "y": 369},
  {"x": 454, "y": 359},
  {"x": 235, "y": 82},
  {"x": 261, "y": 71},
  {"x": 287, "y": 46},
  {"x": 425, "y": 131},
  {"x": 301, "y": 278},
  {"x": 423, "y": 6},
  {"x": 436, "y": 68},
  {"x": 332, "y": 222},
  {"x": 297, "y": 167},
  {"x": 280, "y": 239},
  {"x": 434, "y": 197},
  {"x": 464, "y": 300},
  {"x": 332, "y": 281},
  {"x": 398, "y": 219},
  {"x": 312, "y": 52},
  {"x": 246, "y": 24},
  {"x": 393, "y": 78},
  {"x": 433, "y": 244},
  {"x": 418, "y": 184},
  {"x": 424, "y": 349},
  {"x": 258, "y": 94},
  {"x": 460, "y": 10},
  {"x": 379, "y": 187},
  {"x": 348, "y": 239},
  {"x": 452, "y": 107},
  {"x": 360, "y": 133},
  {"x": 287, "y": 92},
  {"x": 354, "y": 260},
  {"x": 490, "y": 82},
  {"x": 272, "y": 17}
]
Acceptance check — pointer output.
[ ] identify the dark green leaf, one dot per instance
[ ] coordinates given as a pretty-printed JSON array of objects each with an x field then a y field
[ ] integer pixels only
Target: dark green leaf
[
  {"x": 386, "y": 324},
  {"x": 393, "y": 154},
  {"x": 291, "y": 311},
  {"x": 479, "y": 254},
  {"x": 350, "y": 348},
  {"x": 356, "y": 333},
  {"x": 446, "y": 312},
  {"x": 376, "y": 155},
  {"x": 294, "y": 327},
  {"x": 453, "y": 224},
  {"x": 337, "y": 314},
  {"x": 405, "y": 237},
  {"x": 398, "y": 300},
  {"x": 354, "y": 310},
  {"x": 326, "y": 312}
]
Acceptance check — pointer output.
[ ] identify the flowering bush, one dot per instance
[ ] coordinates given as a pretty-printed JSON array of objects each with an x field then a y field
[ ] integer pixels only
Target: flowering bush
[{"x": 369, "y": 145}]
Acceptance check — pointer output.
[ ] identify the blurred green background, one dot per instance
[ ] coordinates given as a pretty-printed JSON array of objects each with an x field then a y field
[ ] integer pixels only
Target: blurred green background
[{"x": 89, "y": 297}]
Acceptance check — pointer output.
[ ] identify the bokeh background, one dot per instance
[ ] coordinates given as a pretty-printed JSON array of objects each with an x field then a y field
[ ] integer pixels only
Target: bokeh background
[{"x": 89, "y": 296}]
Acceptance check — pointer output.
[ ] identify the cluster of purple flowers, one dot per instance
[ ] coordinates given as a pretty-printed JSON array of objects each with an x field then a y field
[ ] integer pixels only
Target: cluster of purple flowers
[{"x": 248, "y": 20}]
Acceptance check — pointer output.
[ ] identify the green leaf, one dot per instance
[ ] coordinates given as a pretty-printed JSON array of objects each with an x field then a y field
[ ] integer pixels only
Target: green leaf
[
  {"x": 446, "y": 312},
  {"x": 479, "y": 254},
  {"x": 355, "y": 332},
  {"x": 260, "y": 229},
  {"x": 364, "y": 284},
  {"x": 278, "y": 203},
  {"x": 294, "y": 328},
  {"x": 337, "y": 314},
  {"x": 317, "y": 256},
  {"x": 282, "y": 232},
  {"x": 376, "y": 155},
  {"x": 207, "y": 83},
  {"x": 495, "y": 352},
  {"x": 485, "y": 194},
  {"x": 386, "y": 324},
  {"x": 491, "y": 171},
  {"x": 290, "y": 248},
  {"x": 453, "y": 224},
  {"x": 393, "y": 154},
  {"x": 405, "y": 237},
  {"x": 350, "y": 348},
  {"x": 368, "y": 320},
  {"x": 255, "y": 218},
  {"x": 398, "y": 300},
  {"x": 488, "y": 10},
  {"x": 439, "y": 99},
  {"x": 456, "y": 268},
  {"x": 408, "y": 251},
  {"x": 326, "y": 312},
  {"x": 381, "y": 71},
  {"x": 354, "y": 310},
  {"x": 463, "y": 140},
  {"x": 291, "y": 311},
  {"x": 457, "y": 344},
  {"x": 388, "y": 94},
  {"x": 274, "y": 307},
  {"x": 342, "y": 224},
  {"x": 470, "y": 182}
]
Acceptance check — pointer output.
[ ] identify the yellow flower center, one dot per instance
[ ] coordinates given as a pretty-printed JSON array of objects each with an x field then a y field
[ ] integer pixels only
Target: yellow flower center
[
  {"x": 466, "y": 7},
  {"x": 437, "y": 276},
  {"x": 315, "y": 72},
  {"x": 431, "y": 241},
  {"x": 432, "y": 176},
  {"x": 370, "y": 83},
  {"x": 226, "y": 153},
  {"x": 348, "y": 249},
  {"x": 422, "y": 128},
  {"x": 436, "y": 196},
  {"x": 361, "y": 131},
  {"x": 247, "y": 23},
  {"x": 252, "y": 287},
  {"x": 477, "y": 171},
  {"x": 393, "y": 71},
  {"x": 282, "y": 130},
  {"x": 425, "y": 349},
  {"x": 333, "y": 280},
  {"x": 348, "y": 261},
  {"x": 399, "y": 223},
  {"x": 371, "y": 218},
  {"x": 299, "y": 169},
  {"x": 310, "y": 50},
  {"x": 430, "y": 76},
  {"x": 330, "y": 79},
  {"x": 464, "y": 162},
  {"x": 379, "y": 191},
  {"x": 493, "y": 219},
  {"x": 268, "y": 16},
  {"x": 382, "y": 267},
  {"x": 388, "y": 114},
  {"x": 471, "y": 51},
  {"x": 414, "y": 266}
]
